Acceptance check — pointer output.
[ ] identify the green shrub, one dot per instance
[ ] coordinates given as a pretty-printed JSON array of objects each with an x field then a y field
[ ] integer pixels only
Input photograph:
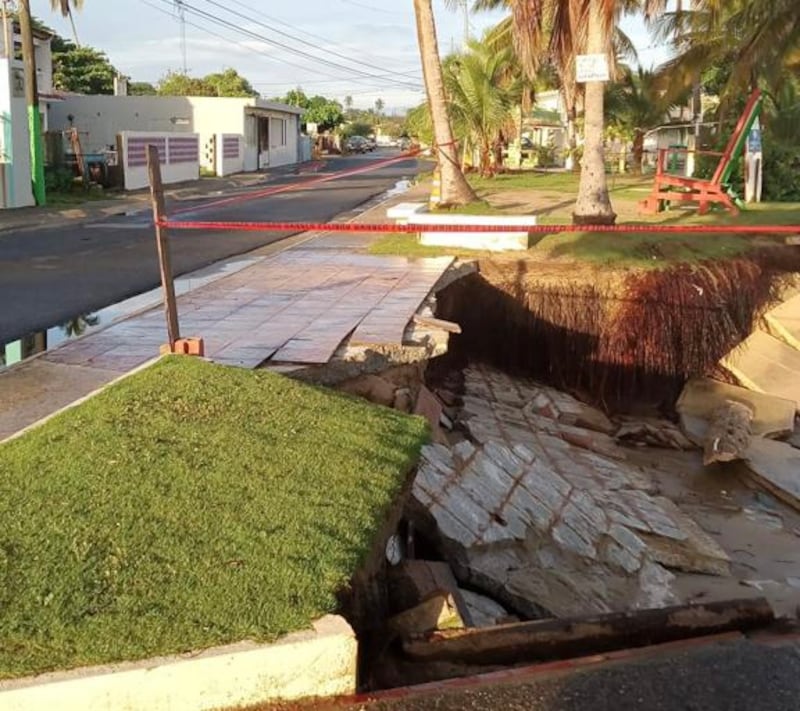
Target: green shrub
[
  {"x": 58, "y": 180},
  {"x": 781, "y": 171}
]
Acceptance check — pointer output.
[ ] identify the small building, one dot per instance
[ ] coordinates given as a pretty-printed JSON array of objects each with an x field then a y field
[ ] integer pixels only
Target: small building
[
  {"x": 234, "y": 134},
  {"x": 15, "y": 160}
]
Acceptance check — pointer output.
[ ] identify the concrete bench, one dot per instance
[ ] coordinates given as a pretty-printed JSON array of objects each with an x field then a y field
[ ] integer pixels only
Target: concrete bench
[
  {"x": 514, "y": 239},
  {"x": 402, "y": 211}
]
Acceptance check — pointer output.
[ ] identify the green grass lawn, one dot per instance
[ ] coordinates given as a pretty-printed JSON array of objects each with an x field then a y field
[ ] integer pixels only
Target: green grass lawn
[
  {"x": 189, "y": 505},
  {"x": 644, "y": 250}
]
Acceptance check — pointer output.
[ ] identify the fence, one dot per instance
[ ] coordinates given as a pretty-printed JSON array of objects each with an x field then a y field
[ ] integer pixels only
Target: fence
[
  {"x": 229, "y": 154},
  {"x": 179, "y": 155}
]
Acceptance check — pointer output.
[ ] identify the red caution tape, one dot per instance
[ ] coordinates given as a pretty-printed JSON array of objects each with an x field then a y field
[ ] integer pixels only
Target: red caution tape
[
  {"x": 302, "y": 185},
  {"x": 413, "y": 228}
]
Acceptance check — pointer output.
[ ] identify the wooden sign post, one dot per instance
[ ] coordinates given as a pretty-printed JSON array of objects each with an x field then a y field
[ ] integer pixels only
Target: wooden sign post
[{"x": 159, "y": 214}]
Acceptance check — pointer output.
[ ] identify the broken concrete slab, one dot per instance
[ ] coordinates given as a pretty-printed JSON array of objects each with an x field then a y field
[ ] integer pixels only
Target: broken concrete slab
[
  {"x": 585, "y": 635},
  {"x": 729, "y": 433},
  {"x": 776, "y": 467},
  {"x": 438, "y": 612},
  {"x": 783, "y": 322},
  {"x": 773, "y": 416},
  {"x": 564, "y": 408},
  {"x": 485, "y": 612},
  {"x": 765, "y": 364},
  {"x": 547, "y": 527},
  {"x": 652, "y": 432},
  {"x": 413, "y": 581}
]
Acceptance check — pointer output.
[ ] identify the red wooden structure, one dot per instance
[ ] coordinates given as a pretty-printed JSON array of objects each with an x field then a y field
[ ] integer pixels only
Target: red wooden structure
[{"x": 705, "y": 192}]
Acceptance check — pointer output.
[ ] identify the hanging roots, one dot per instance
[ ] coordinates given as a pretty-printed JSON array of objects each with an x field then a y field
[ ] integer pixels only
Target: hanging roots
[{"x": 631, "y": 339}]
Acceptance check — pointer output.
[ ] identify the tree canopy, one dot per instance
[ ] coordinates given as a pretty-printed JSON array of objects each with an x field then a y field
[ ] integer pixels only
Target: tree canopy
[{"x": 228, "y": 83}]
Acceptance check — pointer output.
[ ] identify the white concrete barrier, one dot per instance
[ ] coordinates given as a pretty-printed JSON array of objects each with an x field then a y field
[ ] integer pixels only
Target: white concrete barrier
[
  {"x": 179, "y": 154},
  {"x": 320, "y": 662},
  {"x": 401, "y": 212},
  {"x": 513, "y": 239}
]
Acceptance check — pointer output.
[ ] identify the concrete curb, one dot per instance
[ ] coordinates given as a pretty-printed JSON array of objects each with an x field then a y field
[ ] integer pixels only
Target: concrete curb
[{"x": 317, "y": 662}]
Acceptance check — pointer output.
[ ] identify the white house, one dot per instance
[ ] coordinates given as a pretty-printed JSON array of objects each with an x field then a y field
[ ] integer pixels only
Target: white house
[
  {"x": 234, "y": 134},
  {"x": 15, "y": 162}
]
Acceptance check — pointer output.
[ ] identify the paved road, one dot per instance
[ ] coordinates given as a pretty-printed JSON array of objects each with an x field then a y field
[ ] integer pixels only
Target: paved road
[
  {"x": 731, "y": 676},
  {"x": 50, "y": 275}
]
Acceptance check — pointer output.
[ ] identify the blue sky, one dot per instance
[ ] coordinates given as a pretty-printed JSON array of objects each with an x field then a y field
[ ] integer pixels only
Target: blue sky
[{"x": 142, "y": 39}]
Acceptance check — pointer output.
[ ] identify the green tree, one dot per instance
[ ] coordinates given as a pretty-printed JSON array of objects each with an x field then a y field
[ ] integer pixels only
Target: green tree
[
  {"x": 326, "y": 113},
  {"x": 635, "y": 104},
  {"x": 747, "y": 43},
  {"x": 83, "y": 70},
  {"x": 379, "y": 106},
  {"x": 296, "y": 97},
  {"x": 559, "y": 31},
  {"x": 229, "y": 83},
  {"x": 226, "y": 83},
  {"x": 482, "y": 94},
  {"x": 141, "y": 88}
]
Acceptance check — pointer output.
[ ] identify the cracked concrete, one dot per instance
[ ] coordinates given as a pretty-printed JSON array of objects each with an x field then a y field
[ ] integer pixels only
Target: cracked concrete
[{"x": 540, "y": 509}]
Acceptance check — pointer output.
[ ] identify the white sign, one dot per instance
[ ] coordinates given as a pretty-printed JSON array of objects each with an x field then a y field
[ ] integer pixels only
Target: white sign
[{"x": 591, "y": 67}]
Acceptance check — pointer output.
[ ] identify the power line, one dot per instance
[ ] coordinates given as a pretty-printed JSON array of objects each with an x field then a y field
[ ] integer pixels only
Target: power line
[
  {"x": 319, "y": 38},
  {"x": 267, "y": 40},
  {"x": 181, "y": 10},
  {"x": 331, "y": 78}
]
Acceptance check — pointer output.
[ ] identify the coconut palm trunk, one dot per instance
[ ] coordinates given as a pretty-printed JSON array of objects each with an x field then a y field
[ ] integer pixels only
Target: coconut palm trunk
[
  {"x": 455, "y": 188},
  {"x": 593, "y": 205}
]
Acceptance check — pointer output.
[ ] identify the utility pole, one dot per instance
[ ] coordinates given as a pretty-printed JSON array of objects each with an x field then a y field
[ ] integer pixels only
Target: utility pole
[
  {"x": 465, "y": 7},
  {"x": 32, "y": 101},
  {"x": 181, "y": 10}
]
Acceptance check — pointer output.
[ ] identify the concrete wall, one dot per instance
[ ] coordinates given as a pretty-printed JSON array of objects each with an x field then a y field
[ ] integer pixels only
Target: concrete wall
[
  {"x": 228, "y": 154},
  {"x": 15, "y": 159},
  {"x": 100, "y": 118},
  {"x": 179, "y": 154}
]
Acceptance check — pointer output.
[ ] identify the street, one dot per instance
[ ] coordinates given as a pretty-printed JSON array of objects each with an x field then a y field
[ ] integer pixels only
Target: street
[{"x": 54, "y": 274}]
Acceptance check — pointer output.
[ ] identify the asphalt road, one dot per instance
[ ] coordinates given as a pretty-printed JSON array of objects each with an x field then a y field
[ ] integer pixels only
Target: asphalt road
[
  {"x": 731, "y": 676},
  {"x": 51, "y": 275}
]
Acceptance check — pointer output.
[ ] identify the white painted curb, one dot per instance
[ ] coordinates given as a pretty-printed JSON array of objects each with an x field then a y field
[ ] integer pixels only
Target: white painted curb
[{"x": 319, "y": 662}]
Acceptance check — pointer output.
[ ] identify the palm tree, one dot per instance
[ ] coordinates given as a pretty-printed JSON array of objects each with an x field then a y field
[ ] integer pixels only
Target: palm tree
[
  {"x": 559, "y": 30},
  {"x": 635, "y": 104},
  {"x": 455, "y": 190},
  {"x": 483, "y": 91},
  {"x": 758, "y": 42},
  {"x": 65, "y": 8}
]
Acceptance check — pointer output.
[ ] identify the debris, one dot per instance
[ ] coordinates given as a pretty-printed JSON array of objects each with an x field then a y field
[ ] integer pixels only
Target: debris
[
  {"x": 773, "y": 417},
  {"x": 403, "y": 400},
  {"x": 776, "y": 467},
  {"x": 729, "y": 433},
  {"x": 437, "y": 323},
  {"x": 428, "y": 406},
  {"x": 414, "y": 581},
  {"x": 652, "y": 432},
  {"x": 485, "y": 612},
  {"x": 770, "y": 520},
  {"x": 565, "y": 409},
  {"x": 545, "y": 526},
  {"x": 588, "y": 635},
  {"x": 438, "y": 612},
  {"x": 372, "y": 388}
]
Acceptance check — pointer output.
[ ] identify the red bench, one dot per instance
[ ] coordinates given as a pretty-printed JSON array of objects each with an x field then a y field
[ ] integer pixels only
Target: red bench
[{"x": 669, "y": 187}]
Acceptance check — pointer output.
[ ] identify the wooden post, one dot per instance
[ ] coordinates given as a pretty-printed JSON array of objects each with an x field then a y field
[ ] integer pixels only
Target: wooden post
[{"x": 159, "y": 213}]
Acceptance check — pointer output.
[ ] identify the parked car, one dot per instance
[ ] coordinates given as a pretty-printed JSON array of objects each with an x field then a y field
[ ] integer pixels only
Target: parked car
[
  {"x": 371, "y": 144},
  {"x": 355, "y": 144}
]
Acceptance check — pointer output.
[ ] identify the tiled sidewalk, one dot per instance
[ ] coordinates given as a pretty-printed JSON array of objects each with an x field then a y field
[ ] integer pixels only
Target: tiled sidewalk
[{"x": 294, "y": 307}]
